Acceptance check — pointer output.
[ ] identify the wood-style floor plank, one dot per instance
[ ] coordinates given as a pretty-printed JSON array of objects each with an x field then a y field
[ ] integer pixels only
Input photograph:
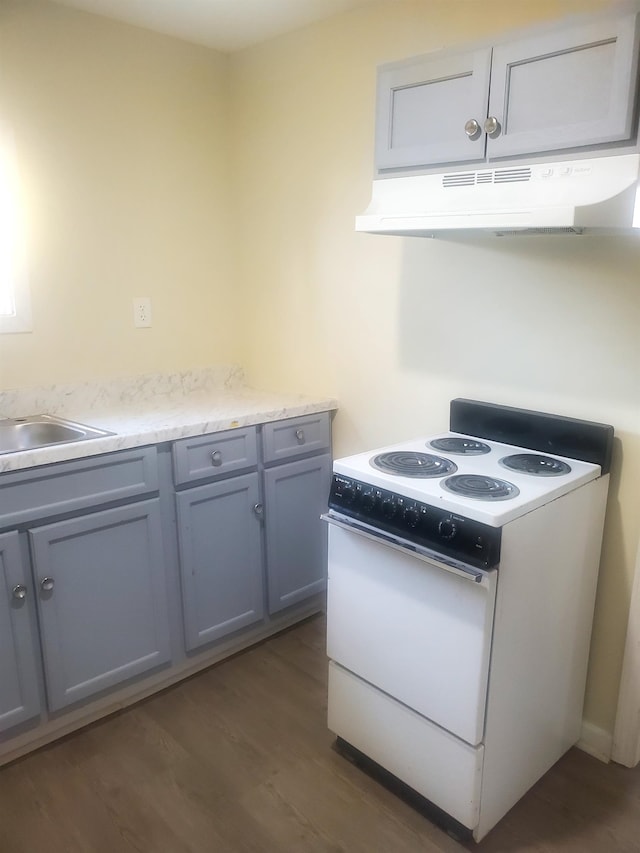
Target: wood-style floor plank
[{"x": 238, "y": 759}]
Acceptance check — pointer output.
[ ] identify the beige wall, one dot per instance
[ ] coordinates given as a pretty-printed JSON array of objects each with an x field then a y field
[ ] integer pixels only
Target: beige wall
[
  {"x": 226, "y": 190},
  {"x": 122, "y": 139},
  {"x": 397, "y": 327}
]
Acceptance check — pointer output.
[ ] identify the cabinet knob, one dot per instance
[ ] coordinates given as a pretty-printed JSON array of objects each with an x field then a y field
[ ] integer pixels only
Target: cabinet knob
[
  {"x": 216, "y": 458},
  {"x": 300, "y": 436},
  {"x": 258, "y": 510},
  {"x": 492, "y": 126},
  {"x": 472, "y": 128},
  {"x": 46, "y": 584},
  {"x": 19, "y": 592}
]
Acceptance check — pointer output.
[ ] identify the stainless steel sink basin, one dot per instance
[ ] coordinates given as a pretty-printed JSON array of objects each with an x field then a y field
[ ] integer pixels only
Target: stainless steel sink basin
[{"x": 42, "y": 431}]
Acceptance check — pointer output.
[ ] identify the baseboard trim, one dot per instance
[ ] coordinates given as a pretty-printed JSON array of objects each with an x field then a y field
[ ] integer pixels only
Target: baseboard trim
[
  {"x": 595, "y": 741},
  {"x": 626, "y": 733}
]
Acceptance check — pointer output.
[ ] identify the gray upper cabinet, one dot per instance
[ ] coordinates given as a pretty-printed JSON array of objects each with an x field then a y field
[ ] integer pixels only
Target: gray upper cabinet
[
  {"x": 566, "y": 89},
  {"x": 423, "y": 106},
  {"x": 102, "y": 600},
  {"x": 220, "y": 558},
  {"x": 19, "y": 698},
  {"x": 569, "y": 88}
]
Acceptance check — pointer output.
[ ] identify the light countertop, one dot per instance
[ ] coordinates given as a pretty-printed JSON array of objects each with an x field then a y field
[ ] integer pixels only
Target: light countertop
[{"x": 149, "y": 410}]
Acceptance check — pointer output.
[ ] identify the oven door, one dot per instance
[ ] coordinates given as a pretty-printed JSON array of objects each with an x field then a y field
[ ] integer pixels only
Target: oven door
[{"x": 416, "y": 628}]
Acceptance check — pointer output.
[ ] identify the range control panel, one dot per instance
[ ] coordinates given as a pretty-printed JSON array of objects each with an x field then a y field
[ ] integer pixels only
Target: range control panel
[{"x": 439, "y": 530}]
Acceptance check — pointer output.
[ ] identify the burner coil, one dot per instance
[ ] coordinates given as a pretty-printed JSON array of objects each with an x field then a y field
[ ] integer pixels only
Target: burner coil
[{"x": 406, "y": 463}]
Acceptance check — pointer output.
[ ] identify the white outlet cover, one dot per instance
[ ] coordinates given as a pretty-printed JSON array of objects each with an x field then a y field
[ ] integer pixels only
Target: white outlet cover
[{"x": 142, "y": 312}]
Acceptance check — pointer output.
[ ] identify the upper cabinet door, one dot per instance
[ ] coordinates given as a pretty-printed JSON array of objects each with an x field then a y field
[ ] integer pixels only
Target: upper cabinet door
[
  {"x": 424, "y": 107},
  {"x": 565, "y": 89}
]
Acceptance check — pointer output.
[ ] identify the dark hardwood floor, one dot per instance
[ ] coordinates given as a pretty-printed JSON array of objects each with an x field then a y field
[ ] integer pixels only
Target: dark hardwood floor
[{"x": 239, "y": 759}]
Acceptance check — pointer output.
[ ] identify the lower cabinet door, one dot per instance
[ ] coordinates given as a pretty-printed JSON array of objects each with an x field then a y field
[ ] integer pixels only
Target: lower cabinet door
[
  {"x": 220, "y": 558},
  {"x": 102, "y": 600},
  {"x": 19, "y": 698},
  {"x": 296, "y": 494}
]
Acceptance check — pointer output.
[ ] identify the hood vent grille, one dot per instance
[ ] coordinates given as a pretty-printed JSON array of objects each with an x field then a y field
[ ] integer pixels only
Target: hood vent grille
[
  {"x": 497, "y": 176},
  {"x": 524, "y": 231},
  {"x": 508, "y": 176},
  {"x": 459, "y": 179}
]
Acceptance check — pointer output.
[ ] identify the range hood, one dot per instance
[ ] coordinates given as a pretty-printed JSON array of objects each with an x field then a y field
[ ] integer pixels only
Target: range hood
[{"x": 597, "y": 195}]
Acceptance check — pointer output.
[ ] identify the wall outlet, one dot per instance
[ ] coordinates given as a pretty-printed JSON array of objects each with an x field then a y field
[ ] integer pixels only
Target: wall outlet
[{"x": 141, "y": 312}]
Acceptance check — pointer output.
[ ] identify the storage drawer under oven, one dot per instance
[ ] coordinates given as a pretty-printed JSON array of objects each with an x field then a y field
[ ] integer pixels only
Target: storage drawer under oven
[
  {"x": 412, "y": 628},
  {"x": 438, "y": 765}
]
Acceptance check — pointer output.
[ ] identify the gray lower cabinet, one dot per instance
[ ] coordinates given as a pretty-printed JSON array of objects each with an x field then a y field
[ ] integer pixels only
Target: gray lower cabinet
[
  {"x": 296, "y": 494},
  {"x": 19, "y": 656},
  {"x": 83, "y": 597},
  {"x": 86, "y": 563},
  {"x": 220, "y": 558},
  {"x": 102, "y": 600},
  {"x": 561, "y": 89},
  {"x": 252, "y": 533}
]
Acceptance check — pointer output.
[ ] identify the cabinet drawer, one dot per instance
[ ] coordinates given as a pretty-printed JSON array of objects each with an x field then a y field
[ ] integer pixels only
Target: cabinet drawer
[
  {"x": 205, "y": 457},
  {"x": 37, "y": 493},
  {"x": 296, "y": 437},
  {"x": 441, "y": 767}
]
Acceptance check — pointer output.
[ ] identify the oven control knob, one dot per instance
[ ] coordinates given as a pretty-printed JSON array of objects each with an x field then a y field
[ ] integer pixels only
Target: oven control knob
[
  {"x": 411, "y": 516},
  {"x": 388, "y": 507},
  {"x": 447, "y": 529},
  {"x": 368, "y": 500}
]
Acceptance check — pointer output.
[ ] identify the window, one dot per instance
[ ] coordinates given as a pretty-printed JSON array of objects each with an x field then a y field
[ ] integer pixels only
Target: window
[{"x": 15, "y": 304}]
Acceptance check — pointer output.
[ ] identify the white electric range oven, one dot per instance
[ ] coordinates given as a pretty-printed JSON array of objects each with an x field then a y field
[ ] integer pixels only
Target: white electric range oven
[{"x": 462, "y": 579}]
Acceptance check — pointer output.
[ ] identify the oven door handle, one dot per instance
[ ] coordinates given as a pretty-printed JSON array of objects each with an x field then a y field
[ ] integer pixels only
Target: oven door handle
[{"x": 448, "y": 564}]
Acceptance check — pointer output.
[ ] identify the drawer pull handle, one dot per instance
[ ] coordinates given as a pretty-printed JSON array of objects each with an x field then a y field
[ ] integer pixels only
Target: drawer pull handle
[
  {"x": 216, "y": 458},
  {"x": 300, "y": 436},
  {"x": 46, "y": 584},
  {"x": 19, "y": 592}
]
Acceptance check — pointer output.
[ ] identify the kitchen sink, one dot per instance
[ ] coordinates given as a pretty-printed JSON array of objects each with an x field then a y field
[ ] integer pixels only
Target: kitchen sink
[{"x": 42, "y": 431}]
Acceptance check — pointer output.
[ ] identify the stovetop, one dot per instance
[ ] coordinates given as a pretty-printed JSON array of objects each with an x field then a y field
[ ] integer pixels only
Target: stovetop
[{"x": 499, "y": 482}]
